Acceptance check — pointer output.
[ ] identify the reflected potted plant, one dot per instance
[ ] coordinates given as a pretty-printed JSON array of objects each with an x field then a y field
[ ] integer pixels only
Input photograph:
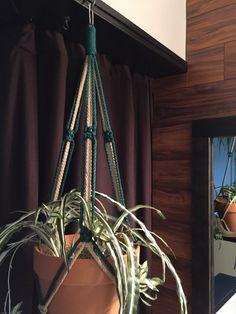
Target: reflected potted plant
[
  {"x": 225, "y": 201},
  {"x": 225, "y": 205}
]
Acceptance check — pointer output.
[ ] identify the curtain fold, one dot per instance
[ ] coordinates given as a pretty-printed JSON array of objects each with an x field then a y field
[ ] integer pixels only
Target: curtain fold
[
  {"x": 39, "y": 74},
  {"x": 18, "y": 145},
  {"x": 52, "y": 64}
]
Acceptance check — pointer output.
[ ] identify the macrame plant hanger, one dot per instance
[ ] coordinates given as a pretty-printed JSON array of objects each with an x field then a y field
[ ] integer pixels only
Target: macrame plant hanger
[{"x": 88, "y": 97}]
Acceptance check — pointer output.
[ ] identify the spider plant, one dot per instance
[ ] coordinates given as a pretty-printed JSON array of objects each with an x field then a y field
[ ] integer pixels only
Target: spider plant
[
  {"x": 229, "y": 192},
  {"x": 113, "y": 236},
  {"x": 227, "y": 144}
]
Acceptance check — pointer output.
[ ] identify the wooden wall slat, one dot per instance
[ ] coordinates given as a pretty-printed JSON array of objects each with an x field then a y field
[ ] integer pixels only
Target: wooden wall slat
[
  {"x": 167, "y": 302},
  {"x": 177, "y": 145},
  {"x": 172, "y": 82},
  {"x": 177, "y": 235},
  {"x": 216, "y": 99},
  {"x": 206, "y": 66},
  {"x": 230, "y": 60},
  {"x": 174, "y": 204},
  {"x": 196, "y": 7},
  {"x": 181, "y": 265},
  {"x": 212, "y": 28},
  {"x": 173, "y": 172},
  {"x": 208, "y": 90}
]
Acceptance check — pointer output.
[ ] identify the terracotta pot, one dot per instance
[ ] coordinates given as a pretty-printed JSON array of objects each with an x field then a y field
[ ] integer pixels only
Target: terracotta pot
[
  {"x": 229, "y": 218},
  {"x": 86, "y": 289},
  {"x": 227, "y": 212}
]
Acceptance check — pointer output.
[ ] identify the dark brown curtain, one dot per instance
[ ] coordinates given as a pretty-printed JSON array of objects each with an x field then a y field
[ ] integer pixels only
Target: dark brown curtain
[{"x": 39, "y": 70}]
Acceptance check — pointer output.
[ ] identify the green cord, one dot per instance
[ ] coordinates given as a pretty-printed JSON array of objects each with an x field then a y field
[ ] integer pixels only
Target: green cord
[
  {"x": 108, "y": 135},
  {"x": 86, "y": 93},
  {"x": 91, "y": 134}
]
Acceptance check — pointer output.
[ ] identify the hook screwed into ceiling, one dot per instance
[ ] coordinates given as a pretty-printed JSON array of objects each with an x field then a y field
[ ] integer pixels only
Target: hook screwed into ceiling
[{"x": 91, "y": 4}]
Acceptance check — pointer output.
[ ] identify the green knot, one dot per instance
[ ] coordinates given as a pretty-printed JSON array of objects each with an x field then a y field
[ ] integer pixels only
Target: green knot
[
  {"x": 86, "y": 235},
  {"x": 70, "y": 135},
  {"x": 91, "y": 40},
  {"x": 108, "y": 136},
  {"x": 90, "y": 133}
]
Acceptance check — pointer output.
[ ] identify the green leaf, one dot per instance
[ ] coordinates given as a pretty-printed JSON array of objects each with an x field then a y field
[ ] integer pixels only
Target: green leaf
[
  {"x": 159, "y": 238},
  {"x": 145, "y": 302},
  {"x": 4, "y": 255},
  {"x": 119, "y": 275},
  {"x": 148, "y": 296},
  {"x": 130, "y": 211},
  {"x": 132, "y": 297},
  {"x": 60, "y": 229},
  {"x": 16, "y": 309},
  {"x": 7, "y": 232},
  {"x": 121, "y": 267},
  {"x": 11, "y": 246},
  {"x": 113, "y": 235}
]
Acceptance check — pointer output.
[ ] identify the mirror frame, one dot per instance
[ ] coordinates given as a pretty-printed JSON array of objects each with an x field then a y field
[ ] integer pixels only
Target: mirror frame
[{"x": 202, "y": 232}]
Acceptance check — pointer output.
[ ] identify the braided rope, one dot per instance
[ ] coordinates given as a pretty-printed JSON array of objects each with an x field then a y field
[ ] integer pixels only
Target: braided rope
[
  {"x": 88, "y": 143},
  {"x": 90, "y": 84},
  {"x": 102, "y": 115},
  {"x": 109, "y": 150},
  {"x": 88, "y": 174},
  {"x": 112, "y": 166},
  {"x": 61, "y": 171},
  {"x": 89, "y": 247},
  {"x": 94, "y": 152},
  {"x": 87, "y": 133},
  {"x": 90, "y": 140},
  {"x": 81, "y": 88},
  {"x": 63, "y": 163},
  {"x": 109, "y": 143},
  {"x": 59, "y": 282}
]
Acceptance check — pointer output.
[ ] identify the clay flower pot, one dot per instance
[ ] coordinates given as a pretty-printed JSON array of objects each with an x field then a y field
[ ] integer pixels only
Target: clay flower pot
[
  {"x": 229, "y": 217},
  {"x": 86, "y": 289},
  {"x": 227, "y": 212}
]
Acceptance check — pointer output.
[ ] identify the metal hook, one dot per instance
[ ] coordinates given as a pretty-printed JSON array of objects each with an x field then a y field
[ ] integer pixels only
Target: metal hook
[
  {"x": 91, "y": 11},
  {"x": 66, "y": 23}
]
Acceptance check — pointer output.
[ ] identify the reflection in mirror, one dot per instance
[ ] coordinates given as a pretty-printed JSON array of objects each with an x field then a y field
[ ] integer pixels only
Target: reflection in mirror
[
  {"x": 224, "y": 223},
  {"x": 209, "y": 286}
]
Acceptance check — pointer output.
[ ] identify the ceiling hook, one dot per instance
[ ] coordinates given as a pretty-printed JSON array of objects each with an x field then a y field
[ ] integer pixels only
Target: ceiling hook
[{"x": 91, "y": 11}]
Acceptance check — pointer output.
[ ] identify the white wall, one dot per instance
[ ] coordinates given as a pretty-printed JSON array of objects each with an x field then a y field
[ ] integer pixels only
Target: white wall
[
  {"x": 165, "y": 20},
  {"x": 224, "y": 257},
  {"x": 229, "y": 307},
  {"x": 224, "y": 261}
]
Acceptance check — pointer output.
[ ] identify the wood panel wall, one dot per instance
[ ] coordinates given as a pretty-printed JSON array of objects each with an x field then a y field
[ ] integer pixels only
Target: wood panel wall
[{"x": 207, "y": 90}]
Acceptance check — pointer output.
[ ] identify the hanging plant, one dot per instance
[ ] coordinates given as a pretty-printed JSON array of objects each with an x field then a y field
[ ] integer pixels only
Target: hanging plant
[
  {"x": 112, "y": 237},
  {"x": 115, "y": 279}
]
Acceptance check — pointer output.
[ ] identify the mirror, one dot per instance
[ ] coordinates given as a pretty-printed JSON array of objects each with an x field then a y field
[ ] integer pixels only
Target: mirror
[
  {"x": 224, "y": 222},
  {"x": 206, "y": 264}
]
